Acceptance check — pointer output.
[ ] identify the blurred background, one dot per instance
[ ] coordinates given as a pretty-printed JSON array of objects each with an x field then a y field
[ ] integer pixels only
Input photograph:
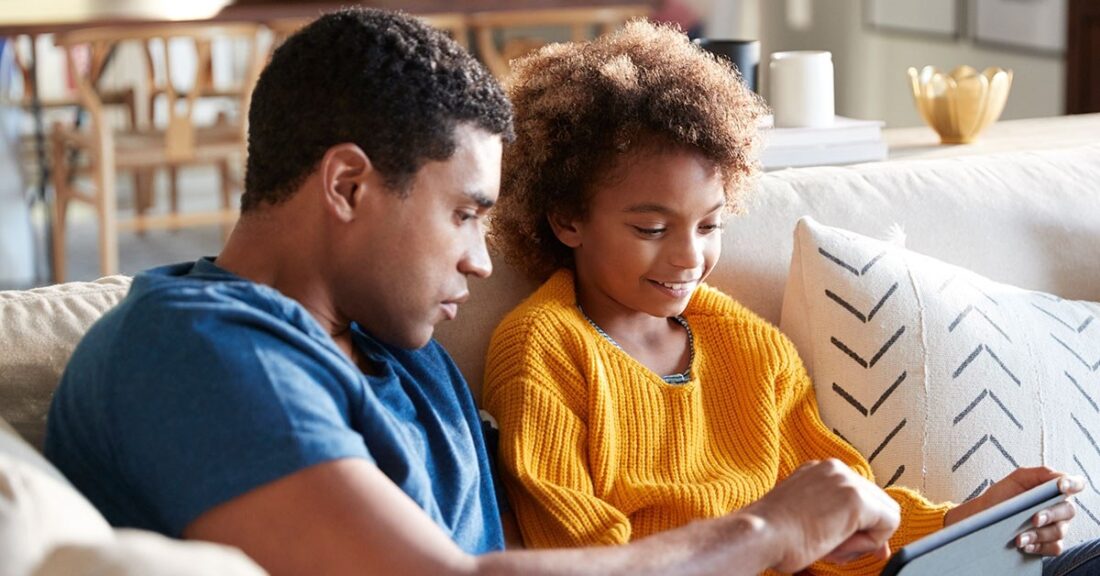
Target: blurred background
[{"x": 122, "y": 121}]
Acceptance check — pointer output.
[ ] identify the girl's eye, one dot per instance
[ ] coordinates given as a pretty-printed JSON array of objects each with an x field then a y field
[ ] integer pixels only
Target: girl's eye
[
  {"x": 708, "y": 228},
  {"x": 465, "y": 216},
  {"x": 649, "y": 231}
]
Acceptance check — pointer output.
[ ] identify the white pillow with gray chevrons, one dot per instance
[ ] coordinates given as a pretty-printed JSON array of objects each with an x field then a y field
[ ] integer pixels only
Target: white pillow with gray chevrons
[{"x": 943, "y": 379}]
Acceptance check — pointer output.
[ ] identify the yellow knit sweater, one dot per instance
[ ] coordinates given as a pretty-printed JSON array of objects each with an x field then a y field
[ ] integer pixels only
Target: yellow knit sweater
[{"x": 597, "y": 449}]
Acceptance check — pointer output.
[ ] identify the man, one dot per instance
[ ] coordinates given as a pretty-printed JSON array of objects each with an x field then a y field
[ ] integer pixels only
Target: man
[{"x": 287, "y": 398}]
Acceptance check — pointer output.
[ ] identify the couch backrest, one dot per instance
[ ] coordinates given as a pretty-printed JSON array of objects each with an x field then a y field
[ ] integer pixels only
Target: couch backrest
[
  {"x": 1031, "y": 219},
  {"x": 1028, "y": 219},
  {"x": 38, "y": 330}
]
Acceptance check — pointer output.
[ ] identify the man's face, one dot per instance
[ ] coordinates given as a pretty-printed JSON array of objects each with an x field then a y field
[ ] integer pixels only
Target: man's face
[{"x": 406, "y": 270}]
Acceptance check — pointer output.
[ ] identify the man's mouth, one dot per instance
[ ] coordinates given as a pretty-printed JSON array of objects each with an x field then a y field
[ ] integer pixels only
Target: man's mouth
[{"x": 450, "y": 305}]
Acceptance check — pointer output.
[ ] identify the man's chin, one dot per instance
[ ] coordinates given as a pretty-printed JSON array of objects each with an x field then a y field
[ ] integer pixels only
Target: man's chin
[{"x": 409, "y": 339}]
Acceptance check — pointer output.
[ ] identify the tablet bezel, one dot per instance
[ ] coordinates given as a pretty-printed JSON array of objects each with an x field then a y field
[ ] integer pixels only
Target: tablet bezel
[{"x": 1047, "y": 492}]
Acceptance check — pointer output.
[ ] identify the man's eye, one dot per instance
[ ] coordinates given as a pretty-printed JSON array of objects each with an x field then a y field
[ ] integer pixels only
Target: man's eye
[
  {"x": 465, "y": 215},
  {"x": 708, "y": 228}
]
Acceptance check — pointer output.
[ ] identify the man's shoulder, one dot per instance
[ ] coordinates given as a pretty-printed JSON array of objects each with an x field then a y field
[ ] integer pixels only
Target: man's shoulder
[
  {"x": 171, "y": 327},
  {"x": 193, "y": 308}
]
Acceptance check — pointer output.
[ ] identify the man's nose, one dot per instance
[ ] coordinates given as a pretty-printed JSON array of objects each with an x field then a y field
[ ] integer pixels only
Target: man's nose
[{"x": 477, "y": 261}]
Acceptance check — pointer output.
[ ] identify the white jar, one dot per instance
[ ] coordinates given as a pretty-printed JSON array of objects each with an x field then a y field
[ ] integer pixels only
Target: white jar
[{"x": 800, "y": 86}]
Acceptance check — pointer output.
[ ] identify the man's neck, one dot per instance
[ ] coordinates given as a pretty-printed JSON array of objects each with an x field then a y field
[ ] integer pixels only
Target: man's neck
[{"x": 287, "y": 263}]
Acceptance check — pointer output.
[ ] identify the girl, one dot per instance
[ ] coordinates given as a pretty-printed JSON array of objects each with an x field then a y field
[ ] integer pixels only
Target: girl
[{"x": 631, "y": 397}]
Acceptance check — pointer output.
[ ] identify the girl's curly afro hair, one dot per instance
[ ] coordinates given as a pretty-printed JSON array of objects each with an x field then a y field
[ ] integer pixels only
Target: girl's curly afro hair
[{"x": 581, "y": 108}]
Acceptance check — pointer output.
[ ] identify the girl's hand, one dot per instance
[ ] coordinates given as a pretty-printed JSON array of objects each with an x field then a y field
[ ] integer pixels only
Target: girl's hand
[{"x": 1049, "y": 526}]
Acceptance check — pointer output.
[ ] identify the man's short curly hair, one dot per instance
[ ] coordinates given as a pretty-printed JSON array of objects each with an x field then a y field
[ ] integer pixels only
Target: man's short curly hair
[
  {"x": 384, "y": 81},
  {"x": 581, "y": 108}
]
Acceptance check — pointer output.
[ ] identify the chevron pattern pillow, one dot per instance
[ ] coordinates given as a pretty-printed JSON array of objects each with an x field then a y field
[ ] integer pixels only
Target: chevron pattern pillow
[{"x": 945, "y": 380}]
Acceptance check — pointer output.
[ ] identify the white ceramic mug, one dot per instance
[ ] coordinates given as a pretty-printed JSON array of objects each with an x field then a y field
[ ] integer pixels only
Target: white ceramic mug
[{"x": 800, "y": 86}]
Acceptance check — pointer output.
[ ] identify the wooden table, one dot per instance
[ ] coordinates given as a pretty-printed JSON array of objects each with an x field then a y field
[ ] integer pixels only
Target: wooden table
[{"x": 1003, "y": 136}]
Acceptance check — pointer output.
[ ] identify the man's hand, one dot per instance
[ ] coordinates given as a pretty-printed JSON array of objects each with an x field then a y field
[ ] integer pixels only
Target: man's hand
[
  {"x": 1049, "y": 526},
  {"x": 824, "y": 510}
]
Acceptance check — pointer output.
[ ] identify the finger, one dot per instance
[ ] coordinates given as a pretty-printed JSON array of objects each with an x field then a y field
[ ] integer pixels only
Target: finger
[
  {"x": 1034, "y": 476},
  {"x": 1070, "y": 485},
  {"x": 858, "y": 544},
  {"x": 1041, "y": 536},
  {"x": 804, "y": 466},
  {"x": 1051, "y": 533},
  {"x": 1047, "y": 549},
  {"x": 1060, "y": 512}
]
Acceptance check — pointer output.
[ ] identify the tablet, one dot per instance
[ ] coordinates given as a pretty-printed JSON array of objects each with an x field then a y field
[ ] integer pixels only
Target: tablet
[{"x": 984, "y": 543}]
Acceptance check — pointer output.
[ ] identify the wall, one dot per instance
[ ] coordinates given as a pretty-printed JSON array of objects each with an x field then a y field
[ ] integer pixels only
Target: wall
[{"x": 871, "y": 64}]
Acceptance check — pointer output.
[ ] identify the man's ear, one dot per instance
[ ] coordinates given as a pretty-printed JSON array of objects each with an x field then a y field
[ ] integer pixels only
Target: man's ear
[
  {"x": 567, "y": 229},
  {"x": 346, "y": 176}
]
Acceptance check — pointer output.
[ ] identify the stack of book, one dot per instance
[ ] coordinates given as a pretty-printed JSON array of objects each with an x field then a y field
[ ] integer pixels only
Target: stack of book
[{"x": 847, "y": 141}]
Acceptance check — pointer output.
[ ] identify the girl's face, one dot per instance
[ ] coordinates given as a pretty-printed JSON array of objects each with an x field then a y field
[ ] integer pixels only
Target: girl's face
[{"x": 653, "y": 232}]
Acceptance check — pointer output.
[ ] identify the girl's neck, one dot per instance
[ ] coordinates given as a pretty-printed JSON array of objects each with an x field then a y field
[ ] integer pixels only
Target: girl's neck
[
  {"x": 617, "y": 320},
  {"x": 660, "y": 344}
]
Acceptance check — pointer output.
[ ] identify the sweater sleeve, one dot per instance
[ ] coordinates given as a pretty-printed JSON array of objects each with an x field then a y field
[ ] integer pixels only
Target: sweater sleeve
[
  {"x": 805, "y": 437},
  {"x": 538, "y": 399}
]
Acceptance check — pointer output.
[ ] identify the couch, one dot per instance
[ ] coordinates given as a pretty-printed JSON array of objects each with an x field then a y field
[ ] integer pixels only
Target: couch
[{"x": 1027, "y": 218}]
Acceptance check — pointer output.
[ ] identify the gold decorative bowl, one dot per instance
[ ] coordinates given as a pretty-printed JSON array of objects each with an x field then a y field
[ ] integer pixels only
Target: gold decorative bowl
[{"x": 959, "y": 105}]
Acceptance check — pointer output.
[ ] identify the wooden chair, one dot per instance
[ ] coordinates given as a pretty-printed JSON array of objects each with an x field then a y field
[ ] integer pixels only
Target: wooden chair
[
  {"x": 158, "y": 89},
  {"x": 453, "y": 23},
  {"x": 102, "y": 152},
  {"x": 25, "y": 58},
  {"x": 582, "y": 23}
]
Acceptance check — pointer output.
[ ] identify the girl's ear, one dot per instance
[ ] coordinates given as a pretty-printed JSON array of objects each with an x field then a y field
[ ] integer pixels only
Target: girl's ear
[{"x": 568, "y": 230}]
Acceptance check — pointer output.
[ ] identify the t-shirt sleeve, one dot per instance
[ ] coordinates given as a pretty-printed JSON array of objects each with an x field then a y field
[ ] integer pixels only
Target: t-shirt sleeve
[{"x": 233, "y": 401}]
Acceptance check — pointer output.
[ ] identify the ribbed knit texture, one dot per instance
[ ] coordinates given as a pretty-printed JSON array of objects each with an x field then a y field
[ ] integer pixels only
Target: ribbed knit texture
[{"x": 596, "y": 449}]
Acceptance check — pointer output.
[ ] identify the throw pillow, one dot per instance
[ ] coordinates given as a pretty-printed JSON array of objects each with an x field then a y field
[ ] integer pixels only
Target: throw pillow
[{"x": 945, "y": 380}]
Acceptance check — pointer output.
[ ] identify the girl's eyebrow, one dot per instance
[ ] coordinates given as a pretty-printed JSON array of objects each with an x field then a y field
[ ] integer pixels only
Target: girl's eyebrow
[
  {"x": 662, "y": 209},
  {"x": 647, "y": 207}
]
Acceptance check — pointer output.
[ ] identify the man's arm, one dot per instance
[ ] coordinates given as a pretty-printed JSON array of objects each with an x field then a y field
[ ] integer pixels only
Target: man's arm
[{"x": 346, "y": 517}]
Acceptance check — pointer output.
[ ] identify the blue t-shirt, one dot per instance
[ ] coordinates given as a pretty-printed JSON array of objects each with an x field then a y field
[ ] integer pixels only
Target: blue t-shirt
[{"x": 201, "y": 386}]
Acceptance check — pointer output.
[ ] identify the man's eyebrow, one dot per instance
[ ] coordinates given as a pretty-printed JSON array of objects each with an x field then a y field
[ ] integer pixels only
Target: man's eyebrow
[
  {"x": 661, "y": 209},
  {"x": 480, "y": 199}
]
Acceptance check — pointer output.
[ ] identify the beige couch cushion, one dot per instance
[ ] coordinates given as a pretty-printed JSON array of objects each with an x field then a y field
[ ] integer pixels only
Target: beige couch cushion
[
  {"x": 138, "y": 553},
  {"x": 47, "y": 528},
  {"x": 38, "y": 330},
  {"x": 38, "y": 508}
]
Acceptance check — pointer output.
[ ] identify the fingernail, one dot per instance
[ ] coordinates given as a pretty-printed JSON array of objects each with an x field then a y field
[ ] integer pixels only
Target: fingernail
[
  {"x": 1032, "y": 549},
  {"x": 1064, "y": 484},
  {"x": 1025, "y": 539},
  {"x": 1042, "y": 518}
]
